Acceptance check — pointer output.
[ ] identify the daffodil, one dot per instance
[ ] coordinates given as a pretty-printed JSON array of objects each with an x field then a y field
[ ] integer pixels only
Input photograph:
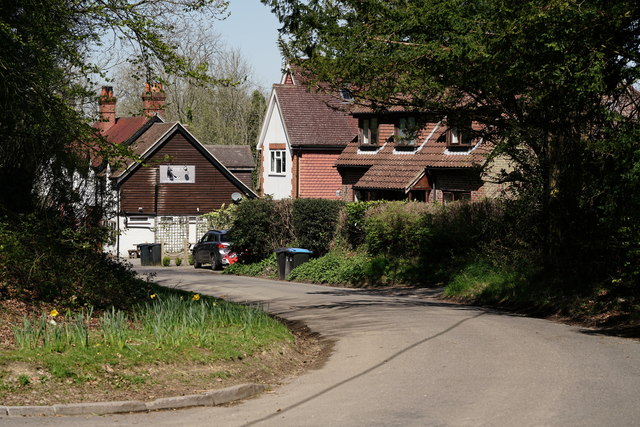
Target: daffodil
[
  {"x": 53, "y": 313},
  {"x": 196, "y": 297},
  {"x": 152, "y": 296}
]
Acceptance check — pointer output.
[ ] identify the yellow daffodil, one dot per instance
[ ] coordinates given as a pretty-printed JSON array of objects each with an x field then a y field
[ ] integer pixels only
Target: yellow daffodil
[
  {"x": 152, "y": 296},
  {"x": 196, "y": 297},
  {"x": 53, "y": 313}
]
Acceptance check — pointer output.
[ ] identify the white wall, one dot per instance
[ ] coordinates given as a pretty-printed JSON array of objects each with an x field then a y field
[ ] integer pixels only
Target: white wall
[{"x": 276, "y": 185}]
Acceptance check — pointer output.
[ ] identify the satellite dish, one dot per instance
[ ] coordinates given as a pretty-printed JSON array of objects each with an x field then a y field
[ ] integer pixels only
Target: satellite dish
[{"x": 236, "y": 197}]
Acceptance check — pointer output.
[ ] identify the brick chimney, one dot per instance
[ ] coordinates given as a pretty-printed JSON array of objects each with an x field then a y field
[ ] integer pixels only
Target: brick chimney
[
  {"x": 153, "y": 99},
  {"x": 106, "y": 108}
]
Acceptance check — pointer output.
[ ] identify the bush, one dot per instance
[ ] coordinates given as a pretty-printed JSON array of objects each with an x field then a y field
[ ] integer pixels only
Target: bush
[
  {"x": 396, "y": 229},
  {"x": 315, "y": 222},
  {"x": 32, "y": 251},
  {"x": 178, "y": 262},
  {"x": 337, "y": 267},
  {"x": 268, "y": 267},
  {"x": 352, "y": 223},
  {"x": 259, "y": 227},
  {"x": 166, "y": 261}
]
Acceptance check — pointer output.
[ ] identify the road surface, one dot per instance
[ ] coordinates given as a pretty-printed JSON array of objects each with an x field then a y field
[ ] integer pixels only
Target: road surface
[{"x": 405, "y": 359}]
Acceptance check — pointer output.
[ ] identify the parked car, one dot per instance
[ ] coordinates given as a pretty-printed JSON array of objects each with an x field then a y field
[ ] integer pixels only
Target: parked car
[{"x": 213, "y": 248}]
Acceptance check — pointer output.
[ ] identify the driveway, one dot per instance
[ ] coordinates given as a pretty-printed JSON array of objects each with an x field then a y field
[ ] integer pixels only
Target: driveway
[{"x": 405, "y": 359}]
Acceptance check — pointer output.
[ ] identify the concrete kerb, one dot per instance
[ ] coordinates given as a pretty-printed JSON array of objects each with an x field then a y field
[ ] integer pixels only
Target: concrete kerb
[{"x": 210, "y": 398}]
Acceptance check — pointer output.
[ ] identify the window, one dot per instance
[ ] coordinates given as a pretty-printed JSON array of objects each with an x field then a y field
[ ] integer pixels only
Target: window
[
  {"x": 369, "y": 132},
  {"x": 452, "y": 196},
  {"x": 278, "y": 161},
  {"x": 406, "y": 131},
  {"x": 460, "y": 134}
]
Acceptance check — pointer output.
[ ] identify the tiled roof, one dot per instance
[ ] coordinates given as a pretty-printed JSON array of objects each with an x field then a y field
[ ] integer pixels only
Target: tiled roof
[
  {"x": 397, "y": 170},
  {"x": 144, "y": 142},
  {"x": 314, "y": 119},
  {"x": 124, "y": 128},
  {"x": 233, "y": 156}
]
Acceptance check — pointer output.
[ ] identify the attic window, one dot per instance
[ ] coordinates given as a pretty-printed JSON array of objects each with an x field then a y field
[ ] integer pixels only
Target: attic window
[
  {"x": 406, "y": 131},
  {"x": 346, "y": 95},
  {"x": 369, "y": 132},
  {"x": 460, "y": 134}
]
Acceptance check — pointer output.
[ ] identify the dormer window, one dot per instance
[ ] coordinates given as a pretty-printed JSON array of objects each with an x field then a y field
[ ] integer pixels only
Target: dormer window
[
  {"x": 369, "y": 132},
  {"x": 460, "y": 134},
  {"x": 406, "y": 131}
]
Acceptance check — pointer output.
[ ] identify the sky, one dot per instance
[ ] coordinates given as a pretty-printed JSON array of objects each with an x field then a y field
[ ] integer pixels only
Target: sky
[{"x": 252, "y": 28}]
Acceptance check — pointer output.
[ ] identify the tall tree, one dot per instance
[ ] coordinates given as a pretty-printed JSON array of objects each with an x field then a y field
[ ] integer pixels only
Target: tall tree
[
  {"x": 216, "y": 113},
  {"x": 546, "y": 77},
  {"x": 47, "y": 47}
]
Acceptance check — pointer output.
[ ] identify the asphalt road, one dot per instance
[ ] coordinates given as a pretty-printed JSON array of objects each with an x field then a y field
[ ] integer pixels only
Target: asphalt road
[{"x": 410, "y": 360}]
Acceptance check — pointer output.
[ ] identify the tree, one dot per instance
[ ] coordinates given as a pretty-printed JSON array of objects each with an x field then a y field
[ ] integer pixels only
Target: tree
[
  {"x": 45, "y": 68},
  {"x": 216, "y": 113},
  {"x": 547, "y": 79}
]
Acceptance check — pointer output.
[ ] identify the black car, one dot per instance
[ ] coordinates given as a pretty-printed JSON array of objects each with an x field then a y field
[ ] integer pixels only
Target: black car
[{"x": 213, "y": 248}]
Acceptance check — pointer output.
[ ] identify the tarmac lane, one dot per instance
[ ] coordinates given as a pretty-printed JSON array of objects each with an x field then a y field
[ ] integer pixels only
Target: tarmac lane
[{"x": 404, "y": 358}]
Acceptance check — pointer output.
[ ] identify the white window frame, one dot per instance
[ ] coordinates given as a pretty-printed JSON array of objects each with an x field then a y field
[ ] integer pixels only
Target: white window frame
[
  {"x": 278, "y": 164},
  {"x": 369, "y": 132},
  {"x": 406, "y": 126}
]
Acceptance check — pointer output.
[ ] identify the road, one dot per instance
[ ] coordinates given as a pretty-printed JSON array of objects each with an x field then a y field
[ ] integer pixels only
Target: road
[{"x": 405, "y": 359}]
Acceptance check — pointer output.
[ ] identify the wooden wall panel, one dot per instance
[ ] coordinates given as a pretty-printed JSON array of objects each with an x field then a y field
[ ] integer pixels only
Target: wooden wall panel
[{"x": 210, "y": 190}]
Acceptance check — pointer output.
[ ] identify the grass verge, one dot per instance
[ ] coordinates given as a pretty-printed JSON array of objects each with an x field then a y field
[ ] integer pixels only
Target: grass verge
[{"x": 171, "y": 344}]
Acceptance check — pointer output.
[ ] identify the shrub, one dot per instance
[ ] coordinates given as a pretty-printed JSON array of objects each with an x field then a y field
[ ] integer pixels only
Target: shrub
[
  {"x": 190, "y": 260},
  {"x": 352, "y": 223},
  {"x": 221, "y": 219},
  {"x": 31, "y": 250},
  {"x": 315, "y": 222},
  {"x": 178, "y": 262},
  {"x": 337, "y": 267},
  {"x": 258, "y": 229},
  {"x": 396, "y": 229},
  {"x": 268, "y": 267},
  {"x": 166, "y": 261}
]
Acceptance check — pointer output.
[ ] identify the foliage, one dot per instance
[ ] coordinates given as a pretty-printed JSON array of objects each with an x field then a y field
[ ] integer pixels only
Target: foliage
[
  {"x": 351, "y": 226},
  {"x": 315, "y": 222},
  {"x": 184, "y": 326},
  {"x": 178, "y": 262},
  {"x": 258, "y": 229},
  {"x": 221, "y": 114},
  {"x": 221, "y": 219},
  {"x": 395, "y": 228},
  {"x": 483, "y": 282},
  {"x": 551, "y": 81},
  {"x": 268, "y": 267},
  {"x": 336, "y": 267},
  {"x": 166, "y": 261},
  {"x": 30, "y": 264}
]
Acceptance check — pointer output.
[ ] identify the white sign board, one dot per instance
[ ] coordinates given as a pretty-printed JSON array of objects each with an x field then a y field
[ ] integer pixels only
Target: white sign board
[{"x": 177, "y": 174}]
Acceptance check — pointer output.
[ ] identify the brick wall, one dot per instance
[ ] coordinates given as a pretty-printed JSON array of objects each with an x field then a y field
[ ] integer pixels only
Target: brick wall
[
  {"x": 318, "y": 178},
  {"x": 458, "y": 180}
]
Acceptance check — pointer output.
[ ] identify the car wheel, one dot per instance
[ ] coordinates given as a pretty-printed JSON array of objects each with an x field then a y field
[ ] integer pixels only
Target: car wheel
[
  {"x": 216, "y": 264},
  {"x": 197, "y": 264}
]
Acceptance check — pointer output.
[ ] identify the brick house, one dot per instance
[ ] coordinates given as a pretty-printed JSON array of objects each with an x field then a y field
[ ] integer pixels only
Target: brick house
[
  {"x": 301, "y": 138},
  {"x": 161, "y": 199},
  {"x": 401, "y": 155}
]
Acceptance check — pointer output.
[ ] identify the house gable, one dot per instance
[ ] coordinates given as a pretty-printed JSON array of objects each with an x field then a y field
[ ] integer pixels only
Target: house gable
[{"x": 143, "y": 190}]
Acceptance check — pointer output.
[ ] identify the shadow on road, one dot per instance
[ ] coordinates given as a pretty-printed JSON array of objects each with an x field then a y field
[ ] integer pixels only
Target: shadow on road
[{"x": 365, "y": 372}]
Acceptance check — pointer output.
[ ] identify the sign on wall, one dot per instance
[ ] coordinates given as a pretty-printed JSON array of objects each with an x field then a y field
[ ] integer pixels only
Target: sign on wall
[{"x": 177, "y": 174}]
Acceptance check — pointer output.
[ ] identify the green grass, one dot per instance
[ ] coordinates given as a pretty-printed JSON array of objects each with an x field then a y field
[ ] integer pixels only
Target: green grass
[
  {"x": 170, "y": 327},
  {"x": 482, "y": 282}
]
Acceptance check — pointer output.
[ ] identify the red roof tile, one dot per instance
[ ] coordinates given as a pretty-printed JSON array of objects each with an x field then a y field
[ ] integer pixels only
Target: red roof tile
[
  {"x": 124, "y": 128},
  {"x": 392, "y": 169},
  {"x": 314, "y": 119}
]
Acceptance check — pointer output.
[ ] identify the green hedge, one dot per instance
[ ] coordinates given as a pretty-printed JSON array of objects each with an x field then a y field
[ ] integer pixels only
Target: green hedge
[{"x": 315, "y": 223}]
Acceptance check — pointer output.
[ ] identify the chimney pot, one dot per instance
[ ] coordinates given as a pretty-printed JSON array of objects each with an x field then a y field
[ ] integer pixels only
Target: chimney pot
[
  {"x": 153, "y": 99},
  {"x": 106, "y": 109}
]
